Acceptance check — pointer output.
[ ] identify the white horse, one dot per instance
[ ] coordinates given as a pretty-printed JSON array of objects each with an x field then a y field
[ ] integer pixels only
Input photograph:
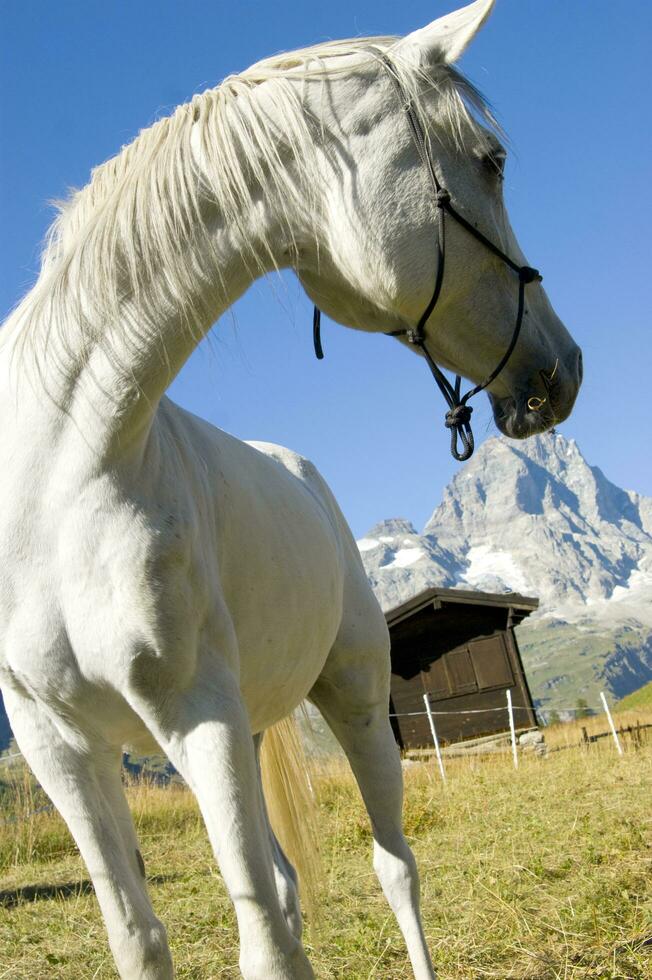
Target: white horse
[{"x": 163, "y": 584}]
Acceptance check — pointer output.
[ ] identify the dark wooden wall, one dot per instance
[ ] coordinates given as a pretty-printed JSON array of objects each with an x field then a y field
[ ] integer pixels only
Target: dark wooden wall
[{"x": 466, "y": 657}]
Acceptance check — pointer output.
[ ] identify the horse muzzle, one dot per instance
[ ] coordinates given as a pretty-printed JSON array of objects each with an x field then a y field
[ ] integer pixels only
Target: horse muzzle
[{"x": 545, "y": 401}]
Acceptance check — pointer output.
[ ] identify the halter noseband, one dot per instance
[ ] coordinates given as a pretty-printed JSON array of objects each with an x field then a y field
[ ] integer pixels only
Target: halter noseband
[{"x": 458, "y": 416}]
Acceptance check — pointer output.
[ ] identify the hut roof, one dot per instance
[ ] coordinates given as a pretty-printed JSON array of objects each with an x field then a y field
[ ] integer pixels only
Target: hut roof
[{"x": 519, "y": 605}]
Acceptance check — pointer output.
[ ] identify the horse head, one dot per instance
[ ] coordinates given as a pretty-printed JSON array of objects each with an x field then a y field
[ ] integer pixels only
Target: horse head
[{"x": 389, "y": 114}]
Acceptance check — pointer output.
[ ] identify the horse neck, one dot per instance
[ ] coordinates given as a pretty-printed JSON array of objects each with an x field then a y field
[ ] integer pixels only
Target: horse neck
[{"x": 109, "y": 387}]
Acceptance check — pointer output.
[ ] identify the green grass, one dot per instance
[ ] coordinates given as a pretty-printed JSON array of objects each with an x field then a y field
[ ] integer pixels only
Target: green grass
[
  {"x": 540, "y": 874},
  {"x": 641, "y": 700}
]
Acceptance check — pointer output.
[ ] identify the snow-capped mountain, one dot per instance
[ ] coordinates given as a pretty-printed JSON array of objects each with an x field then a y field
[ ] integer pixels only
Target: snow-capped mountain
[
  {"x": 530, "y": 517},
  {"x": 534, "y": 517}
]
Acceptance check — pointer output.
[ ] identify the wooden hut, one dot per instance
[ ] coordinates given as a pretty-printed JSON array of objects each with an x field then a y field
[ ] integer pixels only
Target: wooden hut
[{"x": 459, "y": 647}]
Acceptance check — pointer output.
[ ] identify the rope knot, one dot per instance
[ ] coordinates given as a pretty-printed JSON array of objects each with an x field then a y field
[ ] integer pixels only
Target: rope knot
[
  {"x": 526, "y": 275},
  {"x": 443, "y": 197},
  {"x": 458, "y": 416}
]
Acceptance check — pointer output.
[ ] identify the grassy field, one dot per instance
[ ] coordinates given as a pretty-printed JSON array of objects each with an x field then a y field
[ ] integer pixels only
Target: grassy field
[{"x": 537, "y": 874}]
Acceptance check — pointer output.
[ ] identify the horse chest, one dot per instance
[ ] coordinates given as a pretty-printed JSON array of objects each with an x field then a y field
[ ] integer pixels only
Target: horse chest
[{"x": 102, "y": 571}]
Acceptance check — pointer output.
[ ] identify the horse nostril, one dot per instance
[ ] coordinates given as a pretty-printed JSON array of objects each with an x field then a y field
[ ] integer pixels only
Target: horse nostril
[{"x": 535, "y": 404}]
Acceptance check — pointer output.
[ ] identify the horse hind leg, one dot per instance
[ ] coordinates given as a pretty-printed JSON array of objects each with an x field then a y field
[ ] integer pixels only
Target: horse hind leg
[
  {"x": 84, "y": 786},
  {"x": 109, "y": 776},
  {"x": 353, "y": 696}
]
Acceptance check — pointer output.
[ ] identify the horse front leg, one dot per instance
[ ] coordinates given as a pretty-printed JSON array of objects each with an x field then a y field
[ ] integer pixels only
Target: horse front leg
[
  {"x": 205, "y": 733},
  {"x": 84, "y": 785}
]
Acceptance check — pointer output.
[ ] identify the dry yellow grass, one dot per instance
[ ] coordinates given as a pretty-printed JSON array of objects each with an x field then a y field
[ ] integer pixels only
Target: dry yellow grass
[
  {"x": 539, "y": 874},
  {"x": 570, "y": 733}
]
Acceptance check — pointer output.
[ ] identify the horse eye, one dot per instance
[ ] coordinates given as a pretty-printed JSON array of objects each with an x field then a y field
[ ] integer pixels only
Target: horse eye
[{"x": 494, "y": 163}]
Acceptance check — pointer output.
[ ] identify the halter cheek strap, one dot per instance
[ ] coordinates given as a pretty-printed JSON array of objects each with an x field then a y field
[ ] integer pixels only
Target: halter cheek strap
[{"x": 458, "y": 416}]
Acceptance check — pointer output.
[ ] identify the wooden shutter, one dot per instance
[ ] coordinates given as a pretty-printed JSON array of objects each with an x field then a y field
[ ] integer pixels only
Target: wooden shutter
[
  {"x": 435, "y": 679},
  {"x": 491, "y": 662},
  {"x": 460, "y": 671}
]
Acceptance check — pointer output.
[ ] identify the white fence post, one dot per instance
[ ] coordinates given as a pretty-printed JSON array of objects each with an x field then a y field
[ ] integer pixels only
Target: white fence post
[
  {"x": 510, "y": 712},
  {"x": 433, "y": 731},
  {"x": 611, "y": 723}
]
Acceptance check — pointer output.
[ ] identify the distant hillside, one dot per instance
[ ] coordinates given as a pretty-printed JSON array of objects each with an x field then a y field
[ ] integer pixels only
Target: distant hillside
[
  {"x": 564, "y": 661},
  {"x": 639, "y": 699}
]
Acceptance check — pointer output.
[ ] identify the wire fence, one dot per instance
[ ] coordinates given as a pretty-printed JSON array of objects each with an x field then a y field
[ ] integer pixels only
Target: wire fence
[
  {"x": 466, "y": 711},
  {"x": 584, "y": 712},
  {"x": 508, "y": 709}
]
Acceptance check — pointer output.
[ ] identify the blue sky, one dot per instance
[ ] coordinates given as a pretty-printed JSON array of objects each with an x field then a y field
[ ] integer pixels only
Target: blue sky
[{"x": 568, "y": 80}]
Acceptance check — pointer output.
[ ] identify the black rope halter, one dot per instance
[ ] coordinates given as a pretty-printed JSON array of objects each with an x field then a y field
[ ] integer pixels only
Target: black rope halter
[{"x": 458, "y": 416}]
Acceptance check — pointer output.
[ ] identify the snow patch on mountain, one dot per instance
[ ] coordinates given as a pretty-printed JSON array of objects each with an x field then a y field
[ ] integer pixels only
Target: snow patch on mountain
[
  {"x": 405, "y": 557},
  {"x": 492, "y": 570}
]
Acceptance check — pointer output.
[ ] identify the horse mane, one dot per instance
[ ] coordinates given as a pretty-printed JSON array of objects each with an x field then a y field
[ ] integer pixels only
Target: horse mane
[{"x": 137, "y": 230}]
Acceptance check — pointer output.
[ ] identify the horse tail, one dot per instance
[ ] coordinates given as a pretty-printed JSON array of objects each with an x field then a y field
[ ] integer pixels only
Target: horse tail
[{"x": 291, "y": 805}]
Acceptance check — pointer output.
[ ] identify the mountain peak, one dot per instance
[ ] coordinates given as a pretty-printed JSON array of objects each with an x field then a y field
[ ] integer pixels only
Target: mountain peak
[
  {"x": 533, "y": 517},
  {"x": 393, "y": 527}
]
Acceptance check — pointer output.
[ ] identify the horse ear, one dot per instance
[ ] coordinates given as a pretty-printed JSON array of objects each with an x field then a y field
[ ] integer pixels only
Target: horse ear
[{"x": 446, "y": 39}]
